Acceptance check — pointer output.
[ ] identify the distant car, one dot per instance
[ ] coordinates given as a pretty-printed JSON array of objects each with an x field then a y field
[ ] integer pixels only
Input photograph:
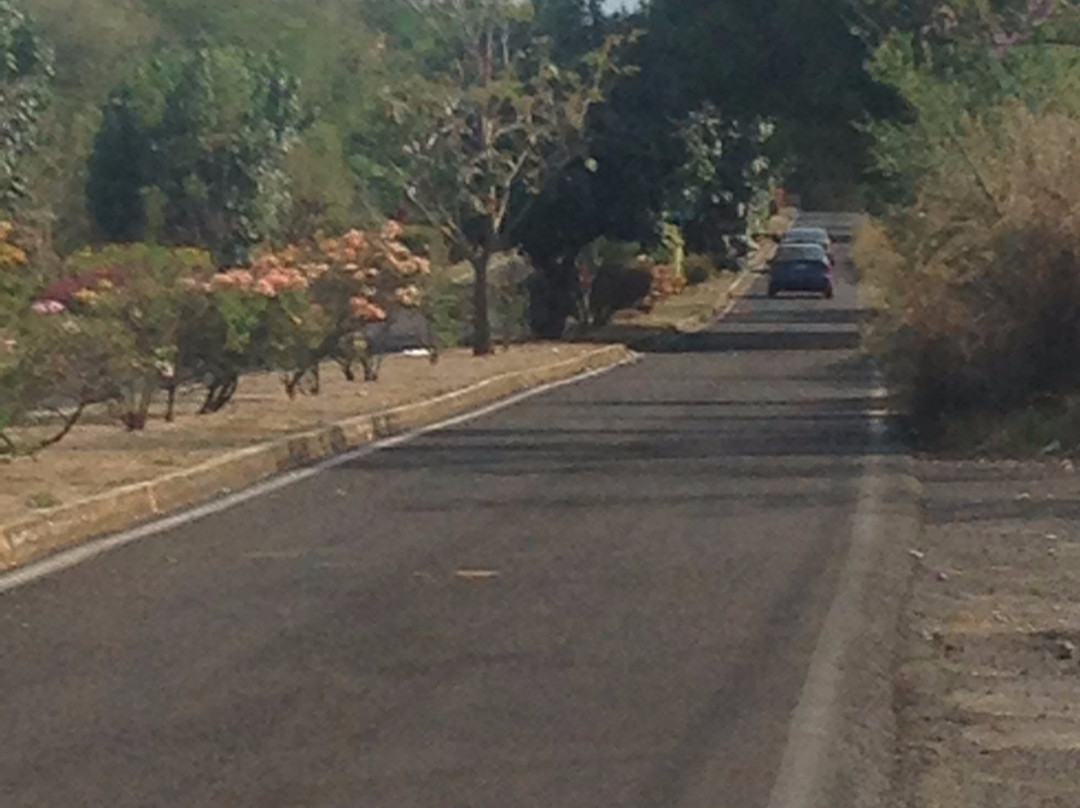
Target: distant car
[
  {"x": 801, "y": 268},
  {"x": 811, "y": 235}
]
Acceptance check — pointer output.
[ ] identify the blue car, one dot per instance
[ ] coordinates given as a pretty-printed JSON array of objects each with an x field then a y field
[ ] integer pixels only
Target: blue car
[{"x": 801, "y": 268}]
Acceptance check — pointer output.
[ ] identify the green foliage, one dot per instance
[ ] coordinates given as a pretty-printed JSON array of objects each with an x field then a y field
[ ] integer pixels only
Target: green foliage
[
  {"x": 605, "y": 253},
  {"x": 725, "y": 170},
  {"x": 118, "y": 172},
  {"x": 207, "y": 130},
  {"x": 799, "y": 65},
  {"x": 494, "y": 127},
  {"x": 321, "y": 186},
  {"x": 25, "y": 72},
  {"x": 449, "y": 310}
]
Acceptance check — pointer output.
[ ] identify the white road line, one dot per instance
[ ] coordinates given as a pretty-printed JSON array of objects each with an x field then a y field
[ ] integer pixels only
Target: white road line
[
  {"x": 814, "y": 723},
  {"x": 84, "y": 552}
]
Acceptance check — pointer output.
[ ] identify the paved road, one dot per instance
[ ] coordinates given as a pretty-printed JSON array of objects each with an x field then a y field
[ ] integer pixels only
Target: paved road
[{"x": 650, "y": 554}]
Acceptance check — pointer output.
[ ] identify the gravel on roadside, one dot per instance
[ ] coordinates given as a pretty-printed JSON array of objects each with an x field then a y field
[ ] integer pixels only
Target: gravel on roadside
[{"x": 989, "y": 693}]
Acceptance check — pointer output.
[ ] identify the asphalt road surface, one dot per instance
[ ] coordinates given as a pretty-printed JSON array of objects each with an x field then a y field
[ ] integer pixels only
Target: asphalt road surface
[{"x": 607, "y": 595}]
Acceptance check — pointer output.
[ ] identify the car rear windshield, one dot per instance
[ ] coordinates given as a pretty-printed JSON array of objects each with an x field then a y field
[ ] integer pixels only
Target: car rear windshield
[
  {"x": 806, "y": 235},
  {"x": 800, "y": 252}
]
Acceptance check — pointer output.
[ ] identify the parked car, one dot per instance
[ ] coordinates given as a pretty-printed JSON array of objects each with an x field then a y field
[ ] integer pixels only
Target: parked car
[
  {"x": 811, "y": 235},
  {"x": 801, "y": 268}
]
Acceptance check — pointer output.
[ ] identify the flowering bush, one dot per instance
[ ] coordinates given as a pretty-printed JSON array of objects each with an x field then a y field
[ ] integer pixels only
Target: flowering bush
[
  {"x": 138, "y": 294},
  {"x": 314, "y": 301},
  {"x": 666, "y": 282},
  {"x": 125, "y": 321},
  {"x": 16, "y": 284}
]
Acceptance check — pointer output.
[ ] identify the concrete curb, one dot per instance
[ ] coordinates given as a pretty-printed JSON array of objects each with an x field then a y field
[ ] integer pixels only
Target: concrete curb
[
  {"x": 34, "y": 536},
  {"x": 842, "y": 750}
]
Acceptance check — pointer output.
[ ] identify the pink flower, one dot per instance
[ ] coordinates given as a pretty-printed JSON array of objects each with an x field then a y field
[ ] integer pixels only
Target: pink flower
[
  {"x": 364, "y": 309},
  {"x": 355, "y": 240},
  {"x": 233, "y": 279},
  {"x": 48, "y": 307},
  {"x": 392, "y": 230},
  {"x": 265, "y": 288}
]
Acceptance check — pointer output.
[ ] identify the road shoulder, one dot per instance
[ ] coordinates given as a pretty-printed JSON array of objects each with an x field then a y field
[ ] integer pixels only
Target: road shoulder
[{"x": 989, "y": 693}]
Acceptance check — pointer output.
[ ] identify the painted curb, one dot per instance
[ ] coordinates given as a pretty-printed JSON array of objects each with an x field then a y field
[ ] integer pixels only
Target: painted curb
[{"x": 34, "y": 536}]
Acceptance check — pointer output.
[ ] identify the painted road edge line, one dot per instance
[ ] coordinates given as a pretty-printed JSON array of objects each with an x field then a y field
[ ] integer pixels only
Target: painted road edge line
[
  {"x": 840, "y": 749},
  {"x": 87, "y": 550}
]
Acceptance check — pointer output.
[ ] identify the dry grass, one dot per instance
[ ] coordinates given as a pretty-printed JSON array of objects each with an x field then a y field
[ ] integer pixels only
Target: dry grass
[
  {"x": 977, "y": 288},
  {"x": 99, "y": 456}
]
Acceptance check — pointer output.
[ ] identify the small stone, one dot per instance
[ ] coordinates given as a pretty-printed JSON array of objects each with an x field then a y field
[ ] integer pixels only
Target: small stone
[
  {"x": 1065, "y": 650},
  {"x": 943, "y": 576},
  {"x": 1024, "y": 497},
  {"x": 917, "y": 554}
]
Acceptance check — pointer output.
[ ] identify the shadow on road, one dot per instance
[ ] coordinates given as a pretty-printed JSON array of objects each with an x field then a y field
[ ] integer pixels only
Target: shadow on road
[{"x": 759, "y": 324}]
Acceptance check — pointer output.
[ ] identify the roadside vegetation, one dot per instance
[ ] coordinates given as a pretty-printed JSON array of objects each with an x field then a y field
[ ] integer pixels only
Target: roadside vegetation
[
  {"x": 972, "y": 262},
  {"x": 194, "y": 191}
]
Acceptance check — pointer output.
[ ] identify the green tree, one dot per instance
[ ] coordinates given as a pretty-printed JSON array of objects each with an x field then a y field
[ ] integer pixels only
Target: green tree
[
  {"x": 118, "y": 172},
  {"x": 801, "y": 65},
  {"x": 491, "y": 132},
  {"x": 212, "y": 129}
]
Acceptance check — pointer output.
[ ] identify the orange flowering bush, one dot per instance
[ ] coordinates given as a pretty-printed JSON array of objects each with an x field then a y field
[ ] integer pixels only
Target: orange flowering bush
[
  {"x": 123, "y": 322},
  {"x": 296, "y": 307}
]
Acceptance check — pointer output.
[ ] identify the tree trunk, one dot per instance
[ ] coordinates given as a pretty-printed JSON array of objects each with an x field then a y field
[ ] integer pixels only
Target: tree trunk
[{"x": 481, "y": 315}]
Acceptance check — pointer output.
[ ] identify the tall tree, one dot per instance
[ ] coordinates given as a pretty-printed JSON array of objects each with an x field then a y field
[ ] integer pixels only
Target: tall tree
[
  {"x": 211, "y": 128},
  {"x": 486, "y": 136},
  {"x": 800, "y": 64}
]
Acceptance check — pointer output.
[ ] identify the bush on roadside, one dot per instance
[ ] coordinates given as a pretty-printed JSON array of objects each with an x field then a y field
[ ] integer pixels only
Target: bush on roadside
[
  {"x": 613, "y": 290},
  {"x": 976, "y": 287},
  {"x": 126, "y": 321},
  {"x": 699, "y": 268}
]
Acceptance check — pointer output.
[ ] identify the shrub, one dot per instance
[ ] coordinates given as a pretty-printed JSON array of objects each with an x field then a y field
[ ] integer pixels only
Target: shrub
[
  {"x": 666, "y": 282},
  {"x": 699, "y": 268},
  {"x": 141, "y": 295},
  {"x": 295, "y": 308},
  {"x": 615, "y": 289},
  {"x": 976, "y": 288},
  {"x": 605, "y": 253},
  {"x": 64, "y": 363},
  {"x": 125, "y": 321}
]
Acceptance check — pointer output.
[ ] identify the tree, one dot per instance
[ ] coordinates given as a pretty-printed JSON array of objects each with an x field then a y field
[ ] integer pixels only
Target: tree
[
  {"x": 210, "y": 130},
  {"x": 117, "y": 172},
  {"x": 801, "y": 65},
  {"x": 484, "y": 137},
  {"x": 25, "y": 71}
]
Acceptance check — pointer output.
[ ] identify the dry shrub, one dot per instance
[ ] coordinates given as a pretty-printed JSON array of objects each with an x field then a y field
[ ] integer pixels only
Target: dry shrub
[{"x": 976, "y": 289}]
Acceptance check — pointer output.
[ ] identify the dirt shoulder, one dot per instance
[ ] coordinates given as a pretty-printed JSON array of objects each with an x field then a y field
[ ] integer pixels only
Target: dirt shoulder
[
  {"x": 989, "y": 695},
  {"x": 99, "y": 456}
]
